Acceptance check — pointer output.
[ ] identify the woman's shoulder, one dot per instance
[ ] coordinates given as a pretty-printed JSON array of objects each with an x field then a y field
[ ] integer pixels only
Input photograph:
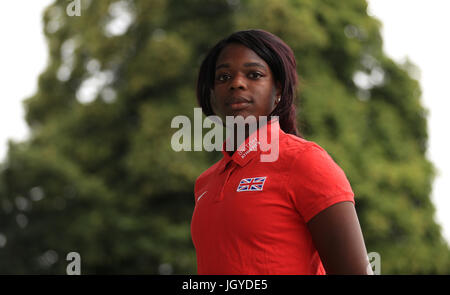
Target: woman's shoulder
[
  {"x": 302, "y": 151},
  {"x": 204, "y": 176},
  {"x": 293, "y": 145},
  {"x": 307, "y": 156}
]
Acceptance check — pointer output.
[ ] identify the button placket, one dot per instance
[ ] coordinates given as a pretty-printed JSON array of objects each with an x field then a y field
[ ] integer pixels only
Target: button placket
[{"x": 232, "y": 167}]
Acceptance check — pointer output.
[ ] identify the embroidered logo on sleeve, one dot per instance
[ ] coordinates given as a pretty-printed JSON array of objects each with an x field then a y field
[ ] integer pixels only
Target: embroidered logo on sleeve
[{"x": 251, "y": 184}]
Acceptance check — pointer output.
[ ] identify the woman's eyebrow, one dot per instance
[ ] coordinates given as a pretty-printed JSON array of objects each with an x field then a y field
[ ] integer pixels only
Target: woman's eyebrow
[
  {"x": 254, "y": 64},
  {"x": 248, "y": 64}
]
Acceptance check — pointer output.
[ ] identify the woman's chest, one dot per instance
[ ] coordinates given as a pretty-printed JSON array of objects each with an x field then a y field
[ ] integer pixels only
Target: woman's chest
[{"x": 246, "y": 202}]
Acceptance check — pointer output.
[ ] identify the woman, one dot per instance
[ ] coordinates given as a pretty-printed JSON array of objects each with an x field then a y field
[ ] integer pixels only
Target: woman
[{"x": 294, "y": 215}]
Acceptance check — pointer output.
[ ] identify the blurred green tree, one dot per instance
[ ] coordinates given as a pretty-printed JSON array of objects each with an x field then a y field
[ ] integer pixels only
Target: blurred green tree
[{"x": 98, "y": 175}]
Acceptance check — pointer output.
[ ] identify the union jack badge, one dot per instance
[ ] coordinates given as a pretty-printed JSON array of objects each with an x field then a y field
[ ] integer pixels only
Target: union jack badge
[{"x": 251, "y": 184}]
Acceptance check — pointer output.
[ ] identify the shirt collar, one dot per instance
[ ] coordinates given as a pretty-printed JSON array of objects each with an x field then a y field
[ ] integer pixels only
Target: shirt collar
[{"x": 250, "y": 148}]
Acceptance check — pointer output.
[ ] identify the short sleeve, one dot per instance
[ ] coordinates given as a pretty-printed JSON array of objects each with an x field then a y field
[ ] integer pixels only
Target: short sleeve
[{"x": 316, "y": 182}]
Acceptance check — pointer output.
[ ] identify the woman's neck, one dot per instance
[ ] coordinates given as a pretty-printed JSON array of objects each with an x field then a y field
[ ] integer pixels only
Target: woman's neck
[{"x": 236, "y": 143}]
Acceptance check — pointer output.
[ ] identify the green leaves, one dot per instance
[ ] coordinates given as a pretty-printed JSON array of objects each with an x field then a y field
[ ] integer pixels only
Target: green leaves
[{"x": 99, "y": 176}]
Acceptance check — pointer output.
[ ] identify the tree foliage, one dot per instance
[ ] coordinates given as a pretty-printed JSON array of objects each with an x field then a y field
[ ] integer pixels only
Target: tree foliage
[{"x": 98, "y": 175}]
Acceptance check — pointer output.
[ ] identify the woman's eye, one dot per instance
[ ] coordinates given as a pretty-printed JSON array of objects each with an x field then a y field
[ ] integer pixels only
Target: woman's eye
[
  {"x": 252, "y": 75},
  {"x": 255, "y": 75},
  {"x": 222, "y": 77}
]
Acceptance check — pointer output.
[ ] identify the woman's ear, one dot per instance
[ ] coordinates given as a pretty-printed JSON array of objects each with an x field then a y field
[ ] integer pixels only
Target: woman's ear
[
  {"x": 278, "y": 89},
  {"x": 277, "y": 93}
]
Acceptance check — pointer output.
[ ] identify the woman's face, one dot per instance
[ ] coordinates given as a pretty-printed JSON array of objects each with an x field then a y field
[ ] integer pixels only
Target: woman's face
[{"x": 243, "y": 84}]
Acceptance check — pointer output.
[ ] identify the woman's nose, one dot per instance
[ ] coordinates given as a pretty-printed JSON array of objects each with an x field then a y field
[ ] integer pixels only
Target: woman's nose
[{"x": 238, "y": 82}]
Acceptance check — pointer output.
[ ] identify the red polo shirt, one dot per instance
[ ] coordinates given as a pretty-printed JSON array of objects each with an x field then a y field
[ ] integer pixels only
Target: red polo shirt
[{"x": 250, "y": 216}]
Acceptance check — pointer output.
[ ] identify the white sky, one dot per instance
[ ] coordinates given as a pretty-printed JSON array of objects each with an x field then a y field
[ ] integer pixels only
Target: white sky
[
  {"x": 419, "y": 29},
  {"x": 414, "y": 28},
  {"x": 23, "y": 55}
]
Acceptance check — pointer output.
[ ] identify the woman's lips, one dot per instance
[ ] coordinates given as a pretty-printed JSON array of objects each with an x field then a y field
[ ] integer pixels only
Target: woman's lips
[{"x": 238, "y": 103}]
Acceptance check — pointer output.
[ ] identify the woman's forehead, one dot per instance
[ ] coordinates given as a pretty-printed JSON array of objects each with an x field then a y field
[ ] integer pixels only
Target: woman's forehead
[{"x": 238, "y": 53}]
